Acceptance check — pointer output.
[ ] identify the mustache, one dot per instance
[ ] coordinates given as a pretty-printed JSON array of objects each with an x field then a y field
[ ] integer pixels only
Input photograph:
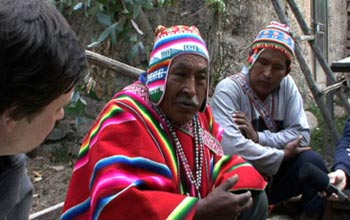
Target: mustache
[{"x": 188, "y": 101}]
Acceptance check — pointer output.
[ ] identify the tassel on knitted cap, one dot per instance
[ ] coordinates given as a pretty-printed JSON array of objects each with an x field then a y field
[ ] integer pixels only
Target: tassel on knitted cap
[
  {"x": 169, "y": 43},
  {"x": 274, "y": 36}
]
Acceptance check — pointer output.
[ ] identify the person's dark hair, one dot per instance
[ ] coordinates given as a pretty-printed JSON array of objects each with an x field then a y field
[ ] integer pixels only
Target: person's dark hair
[{"x": 40, "y": 56}]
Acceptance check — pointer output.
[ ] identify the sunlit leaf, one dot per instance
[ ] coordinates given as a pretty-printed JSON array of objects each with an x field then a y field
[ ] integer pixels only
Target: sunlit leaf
[
  {"x": 78, "y": 6},
  {"x": 75, "y": 96},
  {"x": 93, "y": 44},
  {"x": 136, "y": 27},
  {"x": 83, "y": 100}
]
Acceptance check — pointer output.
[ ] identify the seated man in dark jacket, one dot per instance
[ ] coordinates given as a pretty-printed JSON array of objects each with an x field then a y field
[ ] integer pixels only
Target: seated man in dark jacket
[{"x": 341, "y": 166}]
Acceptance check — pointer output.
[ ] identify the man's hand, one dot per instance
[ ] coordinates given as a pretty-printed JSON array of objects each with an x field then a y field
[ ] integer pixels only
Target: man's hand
[
  {"x": 293, "y": 148},
  {"x": 338, "y": 178},
  {"x": 222, "y": 204},
  {"x": 245, "y": 125}
]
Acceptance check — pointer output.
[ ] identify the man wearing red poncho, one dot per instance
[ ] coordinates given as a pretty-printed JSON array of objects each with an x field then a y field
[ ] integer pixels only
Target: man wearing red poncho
[{"x": 154, "y": 151}]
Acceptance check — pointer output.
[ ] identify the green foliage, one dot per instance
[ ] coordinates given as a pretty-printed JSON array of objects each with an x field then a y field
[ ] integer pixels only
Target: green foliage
[
  {"x": 118, "y": 19},
  {"x": 77, "y": 106},
  {"x": 320, "y": 139},
  {"x": 217, "y": 5}
]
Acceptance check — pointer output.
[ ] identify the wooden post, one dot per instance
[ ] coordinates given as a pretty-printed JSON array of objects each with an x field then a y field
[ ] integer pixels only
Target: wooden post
[
  {"x": 326, "y": 68},
  {"x": 116, "y": 66}
]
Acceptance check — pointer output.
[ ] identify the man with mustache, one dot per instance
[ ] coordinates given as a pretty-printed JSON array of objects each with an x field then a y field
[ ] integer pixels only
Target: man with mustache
[
  {"x": 41, "y": 61},
  {"x": 261, "y": 111},
  {"x": 154, "y": 151}
]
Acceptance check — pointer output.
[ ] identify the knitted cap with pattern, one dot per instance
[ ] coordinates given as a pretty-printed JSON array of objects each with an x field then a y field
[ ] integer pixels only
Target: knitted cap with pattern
[
  {"x": 274, "y": 36},
  {"x": 169, "y": 43}
]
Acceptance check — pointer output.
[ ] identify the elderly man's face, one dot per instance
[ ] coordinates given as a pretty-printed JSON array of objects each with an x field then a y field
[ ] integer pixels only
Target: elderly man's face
[
  {"x": 267, "y": 72},
  {"x": 186, "y": 87}
]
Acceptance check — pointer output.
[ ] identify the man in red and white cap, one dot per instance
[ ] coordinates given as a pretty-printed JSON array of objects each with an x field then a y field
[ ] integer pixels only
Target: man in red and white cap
[{"x": 261, "y": 111}]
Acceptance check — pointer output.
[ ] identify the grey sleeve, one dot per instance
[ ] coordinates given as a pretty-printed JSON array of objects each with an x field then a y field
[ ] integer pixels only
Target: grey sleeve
[
  {"x": 16, "y": 189},
  {"x": 227, "y": 98},
  {"x": 290, "y": 105}
]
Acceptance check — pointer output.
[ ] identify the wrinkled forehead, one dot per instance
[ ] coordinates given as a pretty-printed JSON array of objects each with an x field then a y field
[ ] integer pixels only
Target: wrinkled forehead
[{"x": 193, "y": 59}]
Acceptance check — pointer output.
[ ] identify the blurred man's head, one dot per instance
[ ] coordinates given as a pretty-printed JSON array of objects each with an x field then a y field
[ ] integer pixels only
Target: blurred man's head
[{"x": 41, "y": 62}]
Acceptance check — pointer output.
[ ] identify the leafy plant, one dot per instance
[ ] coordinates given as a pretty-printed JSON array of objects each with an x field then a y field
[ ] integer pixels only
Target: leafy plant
[
  {"x": 78, "y": 104},
  {"x": 218, "y": 5},
  {"x": 117, "y": 18}
]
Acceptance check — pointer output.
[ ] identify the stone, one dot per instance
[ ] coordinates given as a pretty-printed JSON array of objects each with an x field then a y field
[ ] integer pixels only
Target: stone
[{"x": 313, "y": 121}]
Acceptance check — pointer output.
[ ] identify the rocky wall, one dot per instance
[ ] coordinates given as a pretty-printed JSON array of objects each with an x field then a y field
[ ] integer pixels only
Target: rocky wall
[{"x": 228, "y": 36}]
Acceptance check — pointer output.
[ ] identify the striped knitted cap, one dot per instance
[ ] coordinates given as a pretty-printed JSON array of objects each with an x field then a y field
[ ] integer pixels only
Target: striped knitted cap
[
  {"x": 274, "y": 36},
  {"x": 169, "y": 43}
]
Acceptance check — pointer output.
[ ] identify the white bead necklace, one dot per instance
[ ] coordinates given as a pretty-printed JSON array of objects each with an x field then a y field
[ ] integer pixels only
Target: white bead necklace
[{"x": 195, "y": 180}]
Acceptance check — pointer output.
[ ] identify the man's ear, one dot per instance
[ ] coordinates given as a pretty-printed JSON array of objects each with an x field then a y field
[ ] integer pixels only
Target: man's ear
[{"x": 6, "y": 122}]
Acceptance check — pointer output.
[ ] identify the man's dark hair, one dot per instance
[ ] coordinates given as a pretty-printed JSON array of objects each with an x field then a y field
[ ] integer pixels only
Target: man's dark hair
[{"x": 40, "y": 56}]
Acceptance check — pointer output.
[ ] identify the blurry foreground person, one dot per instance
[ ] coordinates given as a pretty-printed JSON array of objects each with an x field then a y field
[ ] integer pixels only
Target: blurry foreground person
[{"x": 41, "y": 60}]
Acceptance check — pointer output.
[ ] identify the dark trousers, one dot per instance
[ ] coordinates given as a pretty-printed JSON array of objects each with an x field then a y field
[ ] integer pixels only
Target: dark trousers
[
  {"x": 285, "y": 183},
  {"x": 259, "y": 209}
]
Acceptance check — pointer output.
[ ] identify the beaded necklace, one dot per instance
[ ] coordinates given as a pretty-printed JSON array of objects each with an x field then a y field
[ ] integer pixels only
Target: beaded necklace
[{"x": 195, "y": 180}]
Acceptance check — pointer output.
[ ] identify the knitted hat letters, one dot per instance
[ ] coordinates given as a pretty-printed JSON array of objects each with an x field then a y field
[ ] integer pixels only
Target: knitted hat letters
[
  {"x": 274, "y": 36},
  {"x": 169, "y": 43}
]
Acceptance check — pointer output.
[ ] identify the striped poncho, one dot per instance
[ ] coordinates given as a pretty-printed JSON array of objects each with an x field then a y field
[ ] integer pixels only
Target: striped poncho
[{"x": 128, "y": 168}]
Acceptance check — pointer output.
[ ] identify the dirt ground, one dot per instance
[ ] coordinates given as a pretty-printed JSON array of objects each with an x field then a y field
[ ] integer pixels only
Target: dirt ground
[
  {"x": 50, "y": 166},
  {"x": 50, "y": 181}
]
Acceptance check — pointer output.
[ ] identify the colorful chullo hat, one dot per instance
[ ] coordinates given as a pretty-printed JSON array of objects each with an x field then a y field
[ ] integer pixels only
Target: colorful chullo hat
[
  {"x": 169, "y": 43},
  {"x": 274, "y": 36}
]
